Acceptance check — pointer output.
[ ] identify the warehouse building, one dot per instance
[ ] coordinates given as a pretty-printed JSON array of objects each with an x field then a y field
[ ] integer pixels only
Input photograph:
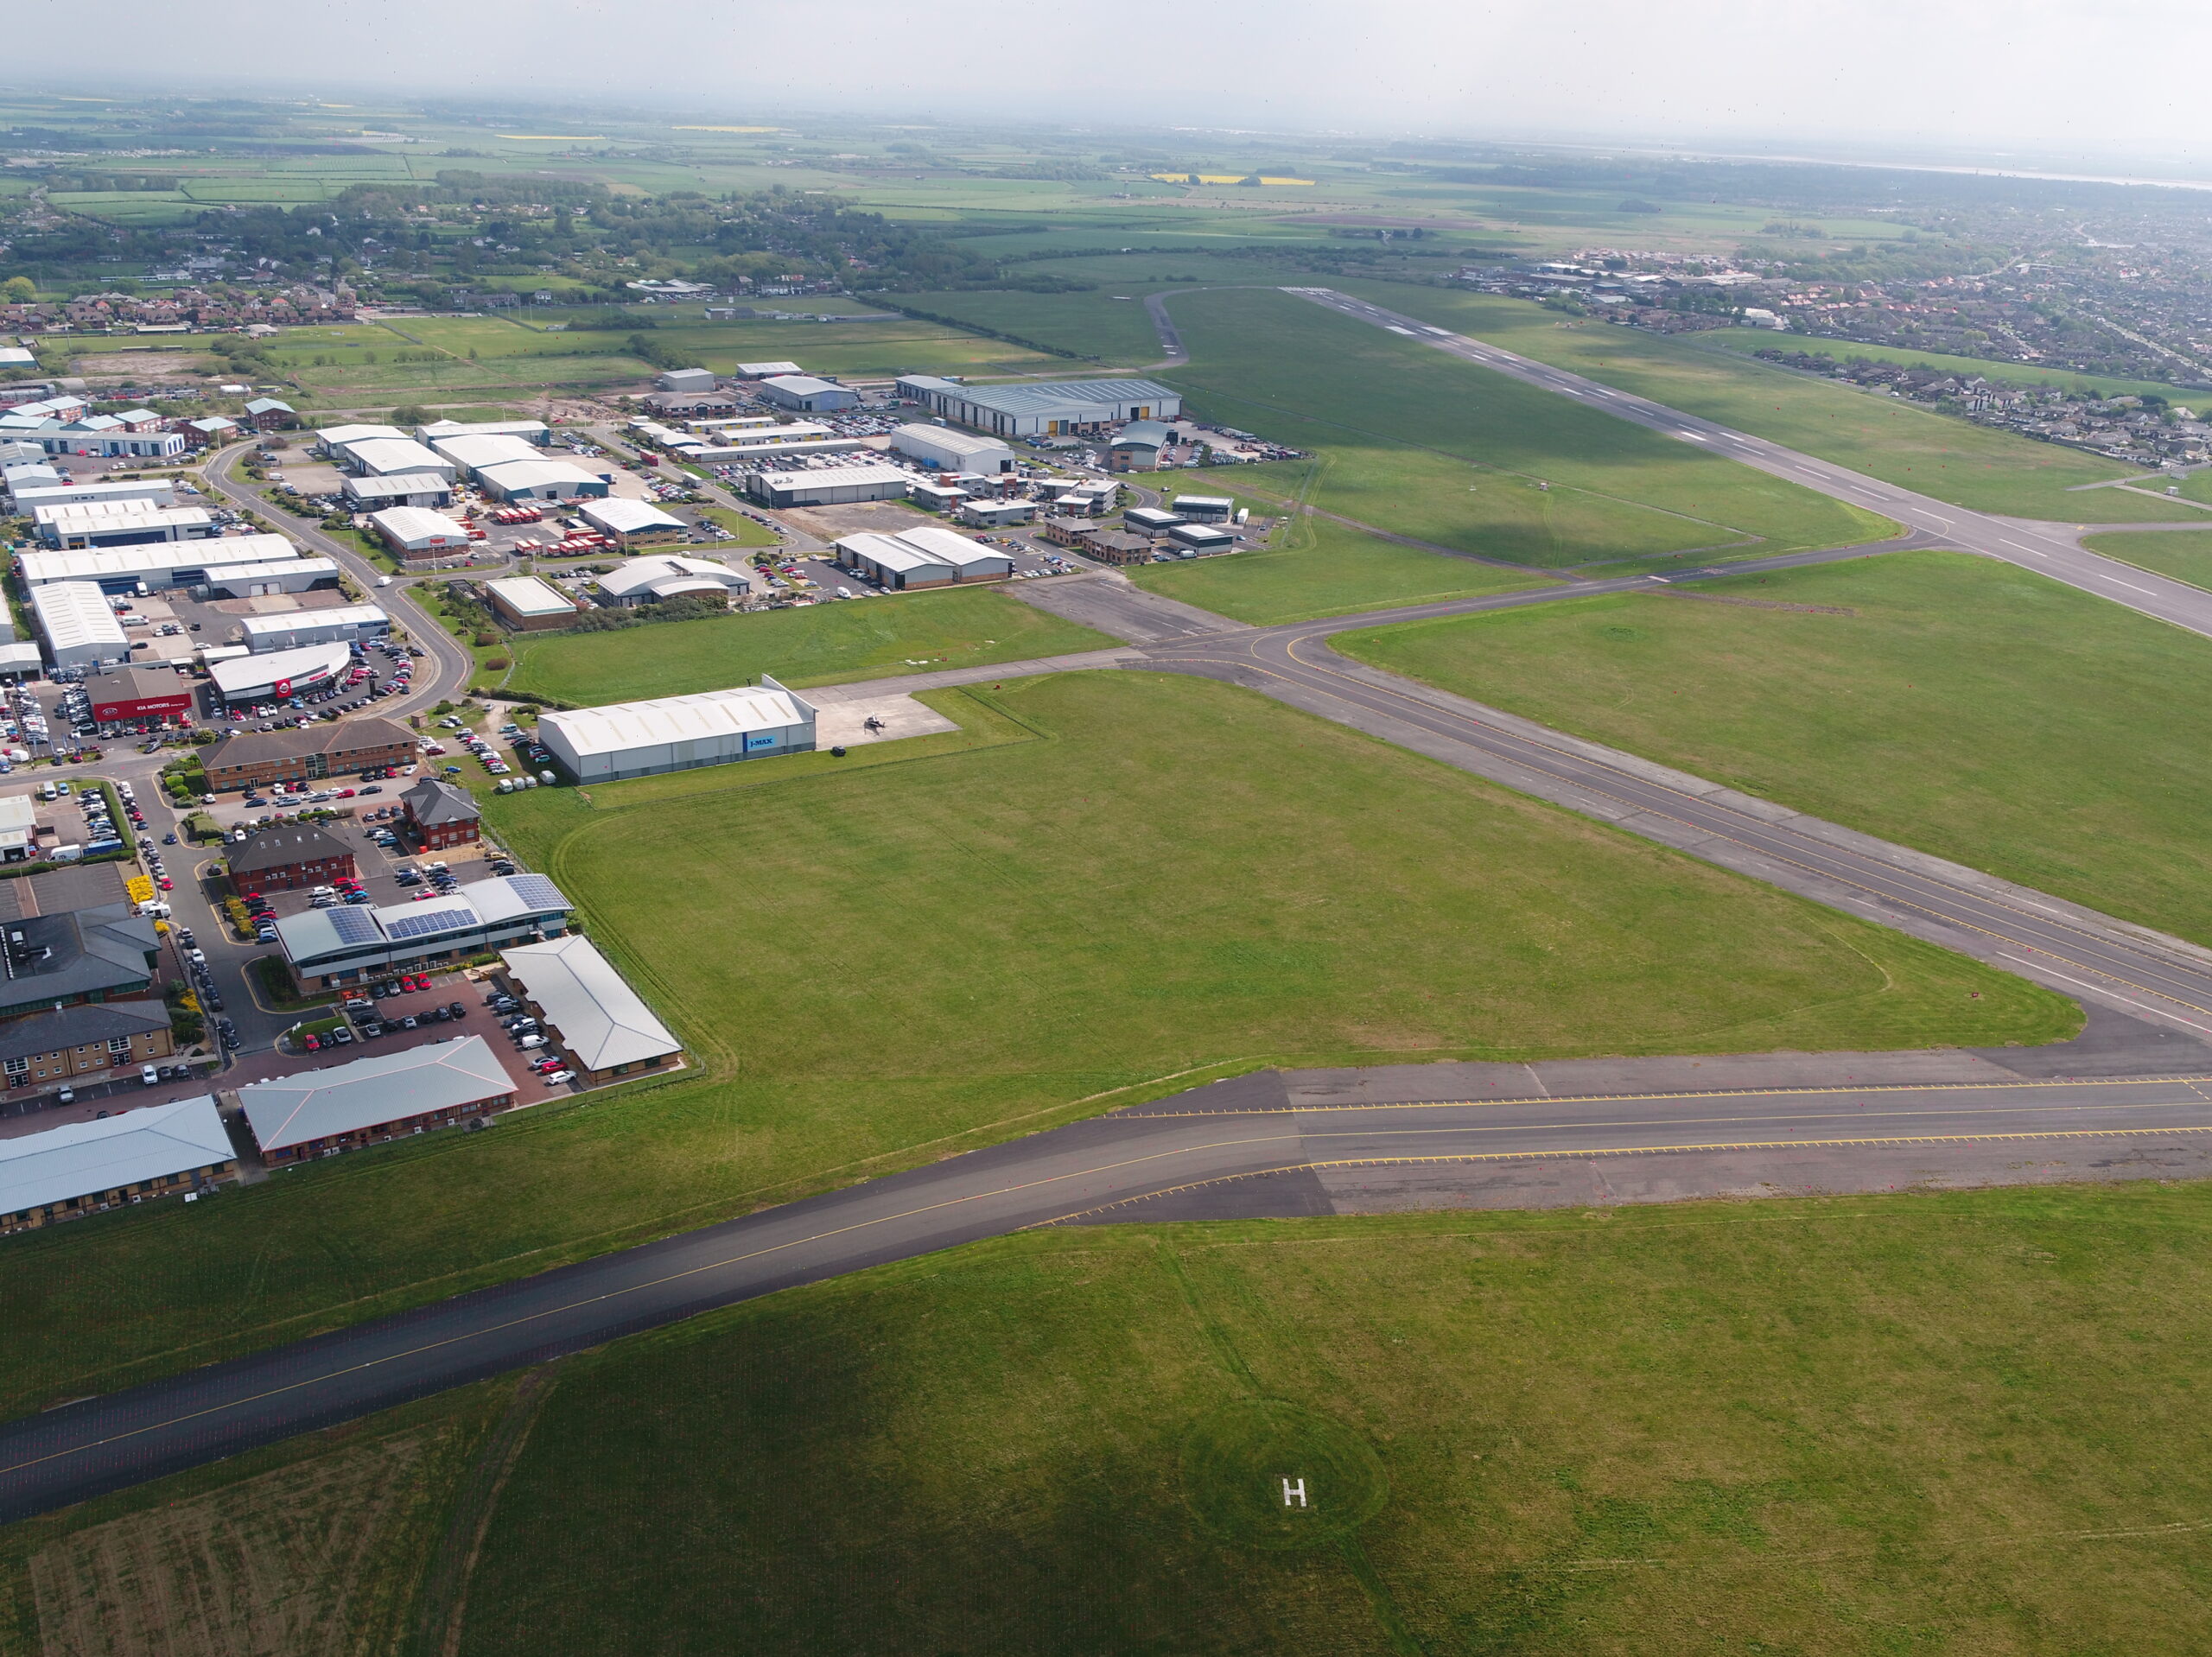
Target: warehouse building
[
  {"x": 290, "y": 857},
  {"x": 387, "y": 1097},
  {"x": 103, "y": 954},
  {"x": 530, "y": 431},
  {"x": 936, "y": 497},
  {"x": 62, "y": 1044},
  {"x": 417, "y": 533},
  {"x": 1150, "y": 520},
  {"x": 78, "y": 624},
  {"x": 122, "y": 571},
  {"x": 276, "y": 676},
  {"x": 528, "y": 605},
  {"x": 325, "y": 948},
  {"x": 1204, "y": 508},
  {"x": 32, "y": 474},
  {"x": 953, "y": 451},
  {"x": 832, "y": 486},
  {"x": 1138, "y": 446},
  {"x": 1050, "y": 408},
  {"x": 1202, "y": 537},
  {"x": 126, "y": 694},
  {"x": 800, "y": 438},
  {"x": 395, "y": 457},
  {"x": 120, "y": 523},
  {"x": 134, "y": 1156},
  {"x": 805, "y": 394},
  {"x": 331, "y": 441},
  {"x": 540, "y": 480},
  {"x": 633, "y": 523},
  {"x": 155, "y": 491},
  {"x": 405, "y": 489},
  {"x": 265, "y": 580},
  {"x": 591, "y": 1017},
  {"x": 766, "y": 370},
  {"x": 255, "y": 759},
  {"x": 651, "y": 580},
  {"x": 20, "y": 662},
  {"x": 922, "y": 557},
  {"x": 686, "y": 379},
  {"x": 440, "y": 816},
  {"x": 642, "y": 738},
  {"x": 351, "y": 624},
  {"x": 473, "y": 454}
]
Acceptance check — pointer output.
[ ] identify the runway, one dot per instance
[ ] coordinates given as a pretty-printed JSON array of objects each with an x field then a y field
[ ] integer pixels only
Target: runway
[{"x": 1235, "y": 1137}]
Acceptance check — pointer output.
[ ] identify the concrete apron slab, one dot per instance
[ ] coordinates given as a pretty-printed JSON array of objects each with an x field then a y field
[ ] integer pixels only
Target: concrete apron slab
[{"x": 844, "y": 725}]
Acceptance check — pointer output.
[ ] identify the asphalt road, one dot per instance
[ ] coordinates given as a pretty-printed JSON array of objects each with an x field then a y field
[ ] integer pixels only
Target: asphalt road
[
  {"x": 1080, "y": 1172},
  {"x": 2045, "y": 548}
]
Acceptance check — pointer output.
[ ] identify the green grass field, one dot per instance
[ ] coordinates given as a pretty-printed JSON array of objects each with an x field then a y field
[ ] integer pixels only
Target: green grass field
[
  {"x": 1319, "y": 568},
  {"x": 2185, "y": 555},
  {"x": 1949, "y": 460},
  {"x": 873, "y": 967},
  {"x": 1421, "y": 444},
  {"x": 1742, "y": 342},
  {"x": 749, "y": 532},
  {"x": 1965, "y": 707},
  {"x": 1956, "y": 1423},
  {"x": 824, "y": 643}
]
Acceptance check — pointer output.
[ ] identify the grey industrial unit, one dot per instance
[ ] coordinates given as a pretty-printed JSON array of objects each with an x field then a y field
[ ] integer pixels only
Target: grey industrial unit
[
  {"x": 835, "y": 486},
  {"x": 643, "y": 739},
  {"x": 1046, "y": 408}
]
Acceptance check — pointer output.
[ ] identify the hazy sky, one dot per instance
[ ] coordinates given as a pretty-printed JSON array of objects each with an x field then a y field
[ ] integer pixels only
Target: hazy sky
[{"x": 2081, "y": 81}]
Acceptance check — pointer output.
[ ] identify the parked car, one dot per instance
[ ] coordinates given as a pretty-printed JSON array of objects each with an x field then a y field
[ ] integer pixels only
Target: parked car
[{"x": 148, "y": 1076}]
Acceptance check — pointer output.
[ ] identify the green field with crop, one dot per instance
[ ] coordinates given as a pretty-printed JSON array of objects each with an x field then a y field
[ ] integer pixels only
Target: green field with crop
[
  {"x": 1318, "y": 568},
  {"x": 822, "y": 644},
  {"x": 873, "y": 967},
  {"x": 1801, "y": 1427},
  {"x": 2185, "y": 555},
  {"x": 1961, "y": 707},
  {"x": 1949, "y": 460},
  {"x": 1419, "y": 443}
]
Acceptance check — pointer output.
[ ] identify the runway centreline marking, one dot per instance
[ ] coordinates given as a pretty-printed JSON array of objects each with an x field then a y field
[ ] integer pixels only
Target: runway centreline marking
[
  {"x": 1139, "y": 1113},
  {"x": 1903, "y": 876},
  {"x": 1618, "y": 1151}
]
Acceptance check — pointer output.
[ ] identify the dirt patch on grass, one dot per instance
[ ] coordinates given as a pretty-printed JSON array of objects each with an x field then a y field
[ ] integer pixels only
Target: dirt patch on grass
[{"x": 292, "y": 1563}]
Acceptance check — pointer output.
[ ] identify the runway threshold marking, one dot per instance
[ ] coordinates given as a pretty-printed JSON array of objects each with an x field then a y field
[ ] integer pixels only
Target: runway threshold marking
[{"x": 1618, "y": 1151}]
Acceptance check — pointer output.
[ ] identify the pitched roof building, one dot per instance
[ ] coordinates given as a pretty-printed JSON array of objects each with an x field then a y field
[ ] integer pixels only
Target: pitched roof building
[
  {"x": 69, "y": 1172},
  {"x": 320, "y": 1113},
  {"x": 101, "y": 953},
  {"x": 289, "y": 856}
]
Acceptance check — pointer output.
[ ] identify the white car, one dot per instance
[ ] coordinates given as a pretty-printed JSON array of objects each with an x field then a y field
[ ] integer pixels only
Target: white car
[
  {"x": 559, "y": 1076},
  {"x": 149, "y": 1075}
]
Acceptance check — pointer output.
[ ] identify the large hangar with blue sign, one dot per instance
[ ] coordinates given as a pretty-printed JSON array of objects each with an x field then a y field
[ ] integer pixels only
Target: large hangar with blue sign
[{"x": 642, "y": 738}]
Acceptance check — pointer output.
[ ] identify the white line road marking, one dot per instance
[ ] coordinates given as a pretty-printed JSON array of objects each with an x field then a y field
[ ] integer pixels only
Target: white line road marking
[
  {"x": 2131, "y": 587},
  {"x": 2157, "y": 1011}
]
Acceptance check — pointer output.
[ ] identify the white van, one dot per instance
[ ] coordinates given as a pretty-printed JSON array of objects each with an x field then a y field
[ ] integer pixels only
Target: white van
[{"x": 529, "y": 1041}]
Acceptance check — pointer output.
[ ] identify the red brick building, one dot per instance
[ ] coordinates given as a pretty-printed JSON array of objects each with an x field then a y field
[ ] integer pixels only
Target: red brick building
[
  {"x": 252, "y": 759},
  {"x": 439, "y": 815},
  {"x": 125, "y": 695},
  {"x": 290, "y": 857}
]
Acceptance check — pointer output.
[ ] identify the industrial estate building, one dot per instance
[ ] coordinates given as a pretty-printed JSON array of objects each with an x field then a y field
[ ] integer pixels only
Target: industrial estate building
[
  {"x": 296, "y": 629},
  {"x": 416, "y": 532},
  {"x": 254, "y": 758},
  {"x": 149, "y": 567},
  {"x": 686, "y": 379},
  {"x": 126, "y": 694},
  {"x": 539, "y": 480},
  {"x": 589, "y": 1015},
  {"x": 393, "y": 457},
  {"x": 925, "y": 557},
  {"x": 474, "y": 451},
  {"x": 633, "y": 523},
  {"x": 406, "y": 489},
  {"x": 263, "y": 580},
  {"x": 386, "y": 1097},
  {"x": 649, "y": 581},
  {"x": 840, "y": 487},
  {"x": 120, "y": 523},
  {"x": 603, "y": 744},
  {"x": 78, "y": 624},
  {"x": 439, "y": 815},
  {"x": 354, "y": 943},
  {"x": 1048, "y": 408},
  {"x": 953, "y": 451},
  {"x": 154, "y": 492},
  {"x": 275, "y": 675},
  {"x": 528, "y": 605},
  {"x": 805, "y": 394},
  {"x": 83, "y": 1167},
  {"x": 332, "y": 442}
]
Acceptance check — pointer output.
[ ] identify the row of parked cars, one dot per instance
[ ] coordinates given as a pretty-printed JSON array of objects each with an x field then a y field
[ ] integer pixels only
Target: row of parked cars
[{"x": 527, "y": 1037}]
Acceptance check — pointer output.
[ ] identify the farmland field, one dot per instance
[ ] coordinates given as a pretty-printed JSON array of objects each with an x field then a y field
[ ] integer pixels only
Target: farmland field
[
  {"x": 1949, "y": 460},
  {"x": 1422, "y": 444},
  {"x": 822, "y": 644},
  {"x": 1959, "y": 706},
  {"x": 872, "y": 966}
]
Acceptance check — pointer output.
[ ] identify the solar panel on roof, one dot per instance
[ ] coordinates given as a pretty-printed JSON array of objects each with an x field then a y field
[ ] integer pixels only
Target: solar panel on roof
[
  {"x": 437, "y": 920},
  {"x": 537, "y": 891},
  {"x": 355, "y": 925}
]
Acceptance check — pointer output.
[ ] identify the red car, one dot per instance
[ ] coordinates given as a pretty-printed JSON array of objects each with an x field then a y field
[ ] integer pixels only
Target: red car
[
  {"x": 417, "y": 982},
  {"x": 311, "y": 1043}
]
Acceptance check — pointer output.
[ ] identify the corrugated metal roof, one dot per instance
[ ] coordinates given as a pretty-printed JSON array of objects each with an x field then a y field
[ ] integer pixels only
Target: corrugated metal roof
[
  {"x": 76, "y": 615},
  {"x": 1044, "y": 395},
  {"x": 618, "y": 515},
  {"x": 390, "y": 455},
  {"x": 711, "y": 714},
  {"x": 86, "y": 1159}
]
